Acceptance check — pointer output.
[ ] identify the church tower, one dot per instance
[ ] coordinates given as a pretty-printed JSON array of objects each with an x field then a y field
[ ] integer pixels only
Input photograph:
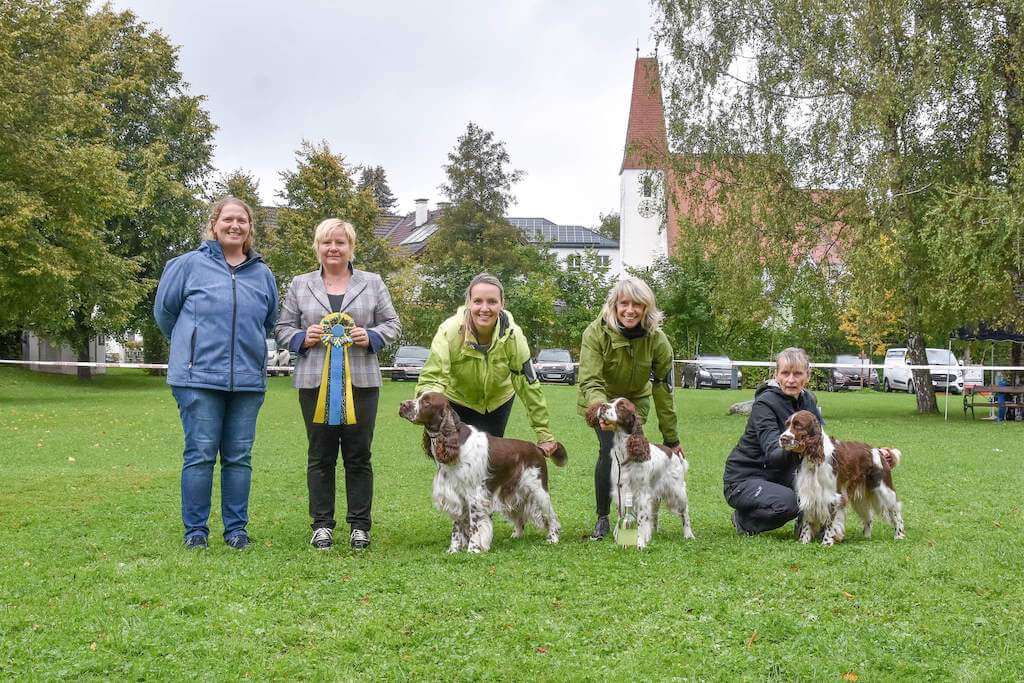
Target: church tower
[{"x": 642, "y": 178}]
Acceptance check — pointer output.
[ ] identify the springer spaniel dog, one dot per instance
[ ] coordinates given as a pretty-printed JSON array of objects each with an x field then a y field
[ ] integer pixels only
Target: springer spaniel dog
[
  {"x": 836, "y": 473},
  {"x": 478, "y": 473},
  {"x": 650, "y": 473}
]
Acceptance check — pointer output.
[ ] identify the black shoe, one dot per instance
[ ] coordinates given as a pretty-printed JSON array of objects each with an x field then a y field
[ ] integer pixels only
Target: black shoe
[
  {"x": 239, "y": 541},
  {"x": 736, "y": 524},
  {"x": 359, "y": 539},
  {"x": 323, "y": 538},
  {"x": 196, "y": 542},
  {"x": 601, "y": 529}
]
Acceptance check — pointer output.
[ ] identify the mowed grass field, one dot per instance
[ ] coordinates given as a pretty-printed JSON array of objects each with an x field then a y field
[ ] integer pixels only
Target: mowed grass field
[{"x": 94, "y": 582}]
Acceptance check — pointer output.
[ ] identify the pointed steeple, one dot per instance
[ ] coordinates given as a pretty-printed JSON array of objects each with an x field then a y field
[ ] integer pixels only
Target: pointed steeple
[{"x": 646, "y": 140}]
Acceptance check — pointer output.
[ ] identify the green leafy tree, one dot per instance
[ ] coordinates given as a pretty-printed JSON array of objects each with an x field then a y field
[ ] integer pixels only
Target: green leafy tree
[
  {"x": 165, "y": 139},
  {"x": 608, "y": 225},
  {"x": 891, "y": 106},
  {"x": 582, "y": 289},
  {"x": 374, "y": 179},
  {"x": 321, "y": 187},
  {"x": 68, "y": 269},
  {"x": 474, "y": 236},
  {"x": 477, "y": 173}
]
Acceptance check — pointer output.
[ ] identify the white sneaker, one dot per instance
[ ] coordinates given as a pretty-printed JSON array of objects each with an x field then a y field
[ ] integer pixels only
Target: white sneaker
[
  {"x": 359, "y": 539},
  {"x": 323, "y": 538}
]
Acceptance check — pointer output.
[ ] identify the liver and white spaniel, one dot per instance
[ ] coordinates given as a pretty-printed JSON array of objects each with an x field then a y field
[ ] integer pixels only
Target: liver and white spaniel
[
  {"x": 836, "y": 473},
  {"x": 650, "y": 474},
  {"x": 478, "y": 474}
]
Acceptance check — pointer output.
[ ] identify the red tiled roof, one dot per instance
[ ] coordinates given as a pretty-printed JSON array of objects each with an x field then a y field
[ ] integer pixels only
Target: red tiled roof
[{"x": 646, "y": 139}]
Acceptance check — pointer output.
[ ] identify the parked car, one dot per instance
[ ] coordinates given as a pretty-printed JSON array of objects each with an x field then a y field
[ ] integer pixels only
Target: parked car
[
  {"x": 898, "y": 375},
  {"x": 278, "y": 358},
  {"x": 555, "y": 365},
  {"x": 408, "y": 363},
  {"x": 851, "y": 378},
  {"x": 710, "y": 371}
]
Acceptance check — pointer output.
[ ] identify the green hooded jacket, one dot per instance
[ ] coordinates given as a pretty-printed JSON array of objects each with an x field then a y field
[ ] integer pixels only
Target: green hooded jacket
[
  {"x": 612, "y": 366},
  {"x": 484, "y": 380}
]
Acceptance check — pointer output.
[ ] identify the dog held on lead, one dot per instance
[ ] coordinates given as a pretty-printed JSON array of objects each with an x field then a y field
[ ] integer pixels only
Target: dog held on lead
[{"x": 478, "y": 474}]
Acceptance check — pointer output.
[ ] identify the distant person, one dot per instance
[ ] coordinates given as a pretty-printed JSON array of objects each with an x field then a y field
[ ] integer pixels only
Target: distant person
[
  {"x": 337, "y": 287},
  {"x": 625, "y": 353},
  {"x": 480, "y": 360},
  {"x": 1001, "y": 381},
  {"x": 218, "y": 305},
  {"x": 759, "y": 475}
]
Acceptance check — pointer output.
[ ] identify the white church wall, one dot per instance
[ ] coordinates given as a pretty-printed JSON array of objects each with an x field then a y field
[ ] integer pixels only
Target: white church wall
[{"x": 642, "y": 239}]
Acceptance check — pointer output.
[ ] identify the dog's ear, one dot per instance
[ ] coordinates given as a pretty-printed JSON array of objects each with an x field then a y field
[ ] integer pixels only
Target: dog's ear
[
  {"x": 592, "y": 413},
  {"x": 448, "y": 441},
  {"x": 426, "y": 445},
  {"x": 638, "y": 448},
  {"x": 813, "y": 448}
]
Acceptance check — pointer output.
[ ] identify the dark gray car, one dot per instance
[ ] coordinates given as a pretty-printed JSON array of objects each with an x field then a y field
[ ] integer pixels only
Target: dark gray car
[
  {"x": 710, "y": 371},
  {"x": 851, "y": 378},
  {"x": 409, "y": 360}
]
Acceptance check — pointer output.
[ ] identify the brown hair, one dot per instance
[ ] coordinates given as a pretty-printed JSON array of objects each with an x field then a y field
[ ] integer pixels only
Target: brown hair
[
  {"x": 479, "y": 279},
  {"x": 215, "y": 210}
]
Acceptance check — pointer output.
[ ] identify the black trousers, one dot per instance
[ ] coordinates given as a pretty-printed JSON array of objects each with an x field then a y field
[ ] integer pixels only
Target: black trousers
[
  {"x": 354, "y": 442},
  {"x": 493, "y": 423},
  {"x": 761, "y": 505},
  {"x": 603, "y": 472}
]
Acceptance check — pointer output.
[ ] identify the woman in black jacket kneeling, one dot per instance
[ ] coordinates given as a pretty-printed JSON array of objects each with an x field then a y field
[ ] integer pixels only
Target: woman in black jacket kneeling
[{"x": 759, "y": 475}]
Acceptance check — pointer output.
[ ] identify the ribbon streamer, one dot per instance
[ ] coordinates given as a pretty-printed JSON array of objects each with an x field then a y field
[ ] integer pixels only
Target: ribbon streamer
[{"x": 334, "y": 405}]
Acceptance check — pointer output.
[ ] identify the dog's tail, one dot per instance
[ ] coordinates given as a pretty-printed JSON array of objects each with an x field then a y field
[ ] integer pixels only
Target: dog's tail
[
  {"x": 559, "y": 457},
  {"x": 891, "y": 456}
]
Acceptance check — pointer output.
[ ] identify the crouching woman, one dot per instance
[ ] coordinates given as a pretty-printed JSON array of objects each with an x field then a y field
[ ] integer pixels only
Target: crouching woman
[{"x": 759, "y": 474}]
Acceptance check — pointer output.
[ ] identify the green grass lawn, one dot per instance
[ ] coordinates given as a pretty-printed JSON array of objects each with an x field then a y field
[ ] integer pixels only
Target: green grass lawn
[{"x": 94, "y": 582}]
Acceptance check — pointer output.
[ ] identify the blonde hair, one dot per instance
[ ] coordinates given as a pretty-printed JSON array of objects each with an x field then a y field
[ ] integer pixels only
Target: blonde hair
[
  {"x": 793, "y": 356},
  {"x": 479, "y": 279},
  {"x": 217, "y": 207},
  {"x": 634, "y": 289},
  {"x": 329, "y": 225}
]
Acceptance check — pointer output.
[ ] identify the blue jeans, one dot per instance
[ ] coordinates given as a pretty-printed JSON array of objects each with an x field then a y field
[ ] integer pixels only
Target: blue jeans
[{"x": 216, "y": 421}]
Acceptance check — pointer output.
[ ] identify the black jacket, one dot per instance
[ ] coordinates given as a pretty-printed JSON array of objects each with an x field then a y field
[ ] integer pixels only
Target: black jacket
[{"x": 758, "y": 454}]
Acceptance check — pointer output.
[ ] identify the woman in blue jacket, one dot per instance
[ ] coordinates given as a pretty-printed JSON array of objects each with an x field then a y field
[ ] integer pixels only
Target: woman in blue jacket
[{"x": 218, "y": 304}]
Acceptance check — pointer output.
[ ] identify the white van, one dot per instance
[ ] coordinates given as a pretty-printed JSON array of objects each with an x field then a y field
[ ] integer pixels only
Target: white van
[{"x": 897, "y": 374}]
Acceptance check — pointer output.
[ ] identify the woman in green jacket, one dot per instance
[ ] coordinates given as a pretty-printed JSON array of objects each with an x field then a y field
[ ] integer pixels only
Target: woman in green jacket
[
  {"x": 624, "y": 353},
  {"x": 480, "y": 360}
]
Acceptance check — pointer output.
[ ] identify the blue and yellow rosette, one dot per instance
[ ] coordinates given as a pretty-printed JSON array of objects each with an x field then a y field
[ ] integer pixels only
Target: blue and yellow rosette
[{"x": 334, "y": 404}]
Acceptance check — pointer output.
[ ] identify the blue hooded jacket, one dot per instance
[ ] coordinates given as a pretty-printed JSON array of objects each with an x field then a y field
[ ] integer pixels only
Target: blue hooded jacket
[{"x": 217, "y": 321}]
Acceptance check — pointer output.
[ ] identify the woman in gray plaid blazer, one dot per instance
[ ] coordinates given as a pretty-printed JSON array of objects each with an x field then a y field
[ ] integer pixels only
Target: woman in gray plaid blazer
[{"x": 337, "y": 286}]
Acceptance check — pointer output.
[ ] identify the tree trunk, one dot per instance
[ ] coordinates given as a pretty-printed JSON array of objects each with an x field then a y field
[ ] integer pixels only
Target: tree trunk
[
  {"x": 84, "y": 373},
  {"x": 922, "y": 378}
]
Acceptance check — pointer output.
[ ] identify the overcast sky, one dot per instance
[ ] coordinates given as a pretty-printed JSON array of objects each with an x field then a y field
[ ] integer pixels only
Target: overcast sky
[{"x": 394, "y": 84}]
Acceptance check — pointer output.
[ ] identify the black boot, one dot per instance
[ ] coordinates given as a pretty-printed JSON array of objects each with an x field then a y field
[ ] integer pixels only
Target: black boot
[{"x": 600, "y": 529}]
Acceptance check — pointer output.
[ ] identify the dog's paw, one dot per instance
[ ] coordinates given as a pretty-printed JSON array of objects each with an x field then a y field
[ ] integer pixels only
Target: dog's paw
[
  {"x": 553, "y": 538},
  {"x": 688, "y": 534}
]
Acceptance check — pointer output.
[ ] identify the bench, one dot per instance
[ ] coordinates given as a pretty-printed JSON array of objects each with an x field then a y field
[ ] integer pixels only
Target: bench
[{"x": 985, "y": 397}]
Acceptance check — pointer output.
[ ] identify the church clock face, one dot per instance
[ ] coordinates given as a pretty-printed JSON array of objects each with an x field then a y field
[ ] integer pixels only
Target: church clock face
[{"x": 647, "y": 208}]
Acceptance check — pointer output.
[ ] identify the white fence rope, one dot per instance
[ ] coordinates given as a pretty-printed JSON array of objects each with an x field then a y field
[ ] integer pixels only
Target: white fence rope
[{"x": 682, "y": 361}]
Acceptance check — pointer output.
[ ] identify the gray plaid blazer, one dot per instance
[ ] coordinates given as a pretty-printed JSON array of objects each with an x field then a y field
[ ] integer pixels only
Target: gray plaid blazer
[{"x": 368, "y": 302}]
